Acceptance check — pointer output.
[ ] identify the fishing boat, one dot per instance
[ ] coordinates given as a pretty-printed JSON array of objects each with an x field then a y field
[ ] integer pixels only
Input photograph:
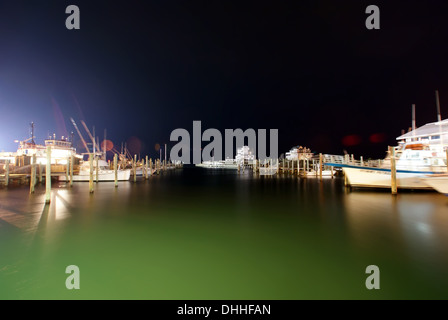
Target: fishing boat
[
  {"x": 437, "y": 182},
  {"x": 219, "y": 164},
  {"x": 61, "y": 150},
  {"x": 421, "y": 152},
  {"x": 243, "y": 157},
  {"x": 299, "y": 153},
  {"x": 269, "y": 168},
  {"x": 104, "y": 172}
]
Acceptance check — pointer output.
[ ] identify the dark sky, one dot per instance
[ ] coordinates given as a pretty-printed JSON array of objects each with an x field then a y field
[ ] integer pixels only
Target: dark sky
[{"x": 141, "y": 69}]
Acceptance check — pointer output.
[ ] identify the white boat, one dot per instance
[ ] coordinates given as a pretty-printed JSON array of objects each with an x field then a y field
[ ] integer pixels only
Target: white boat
[
  {"x": 299, "y": 153},
  {"x": 61, "y": 150},
  {"x": 437, "y": 182},
  {"x": 269, "y": 169},
  {"x": 104, "y": 173},
  {"x": 243, "y": 158},
  {"x": 420, "y": 152},
  {"x": 220, "y": 164},
  {"x": 140, "y": 171},
  {"x": 325, "y": 173},
  {"x": 244, "y": 155}
]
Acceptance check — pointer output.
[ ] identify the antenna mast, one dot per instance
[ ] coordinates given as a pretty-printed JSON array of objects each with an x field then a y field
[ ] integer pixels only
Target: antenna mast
[{"x": 439, "y": 117}]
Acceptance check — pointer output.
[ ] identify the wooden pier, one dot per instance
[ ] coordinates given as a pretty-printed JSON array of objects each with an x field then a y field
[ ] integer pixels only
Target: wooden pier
[{"x": 35, "y": 173}]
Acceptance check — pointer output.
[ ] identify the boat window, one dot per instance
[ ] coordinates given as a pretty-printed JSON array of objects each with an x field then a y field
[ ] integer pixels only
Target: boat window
[{"x": 435, "y": 137}]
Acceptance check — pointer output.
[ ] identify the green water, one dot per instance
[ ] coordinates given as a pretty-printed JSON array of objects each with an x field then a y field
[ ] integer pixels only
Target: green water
[{"x": 198, "y": 234}]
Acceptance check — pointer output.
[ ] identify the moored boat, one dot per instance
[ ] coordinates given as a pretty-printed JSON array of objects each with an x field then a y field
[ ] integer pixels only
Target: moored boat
[
  {"x": 420, "y": 153},
  {"x": 437, "y": 182},
  {"x": 104, "y": 172}
]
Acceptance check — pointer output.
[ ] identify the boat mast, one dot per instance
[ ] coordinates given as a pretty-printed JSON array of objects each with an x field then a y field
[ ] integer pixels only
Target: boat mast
[
  {"x": 104, "y": 145},
  {"x": 32, "y": 133},
  {"x": 413, "y": 117},
  {"x": 439, "y": 117}
]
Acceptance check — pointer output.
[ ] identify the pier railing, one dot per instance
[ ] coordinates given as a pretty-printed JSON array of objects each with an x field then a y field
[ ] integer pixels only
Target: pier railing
[{"x": 330, "y": 159}]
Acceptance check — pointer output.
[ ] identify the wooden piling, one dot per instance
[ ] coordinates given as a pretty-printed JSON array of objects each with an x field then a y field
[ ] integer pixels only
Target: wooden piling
[
  {"x": 72, "y": 160},
  {"x": 48, "y": 176},
  {"x": 67, "y": 169},
  {"x": 134, "y": 167},
  {"x": 393, "y": 171},
  {"x": 91, "y": 173},
  {"x": 97, "y": 169},
  {"x": 146, "y": 167},
  {"x": 6, "y": 173},
  {"x": 33, "y": 174},
  {"x": 320, "y": 165},
  {"x": 116, "y": 169},
  {"x": 40, "y": 173}
]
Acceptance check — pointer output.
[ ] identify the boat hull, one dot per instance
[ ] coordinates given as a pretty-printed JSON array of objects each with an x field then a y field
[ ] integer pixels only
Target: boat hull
[
  {"x": 366, "y": 177},
  {"x": 439, "y": 183},
  {"x": 106, "y": 175}
]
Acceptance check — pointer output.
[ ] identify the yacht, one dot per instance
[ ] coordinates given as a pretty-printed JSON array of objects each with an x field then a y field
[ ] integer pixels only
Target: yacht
[
  {"x": 437, "y": 182},
  {"x": 299, "y": 153},
  {"x": 220, "y": 164},
  {"x": 420, "y": 152},
  {"x": 61, "y": 150},
  {"x": 104, "y": 172},
  {"x": 243, "y": 157}
]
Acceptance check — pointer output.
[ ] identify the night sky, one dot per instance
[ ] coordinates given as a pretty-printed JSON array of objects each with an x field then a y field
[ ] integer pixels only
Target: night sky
[{"x": 141, "y": 69}]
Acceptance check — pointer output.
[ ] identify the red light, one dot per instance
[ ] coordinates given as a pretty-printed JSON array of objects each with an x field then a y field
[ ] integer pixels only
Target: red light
[
  {"x": 351, "y": 140},
  {"x": 377, "y": 138}
]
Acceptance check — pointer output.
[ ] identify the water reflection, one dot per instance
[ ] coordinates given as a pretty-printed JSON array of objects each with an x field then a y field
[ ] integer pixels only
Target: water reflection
[{"x": 414, "y": 222}]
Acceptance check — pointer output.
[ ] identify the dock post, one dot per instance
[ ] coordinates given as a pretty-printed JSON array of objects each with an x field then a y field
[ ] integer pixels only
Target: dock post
[
  {"x": 150, "y": 166},
  {"x": 97, "y": 169},
  {"x": 6, "y": 173},
  {"x": 320, "y": 165},
  {"x": 48, "y": 176},
  {"x": 134, "y": 168},
  {"x": 393, "y": 170},
  {"x": 91, "y": 173},
  {"x": 33, "y": 174},
  {"x": 146, "y": 167},
  {"x": 116, "y": 169},
  {"x": 447, "y": 159},
  {"x": 72, "y": 160},
  {"x": 40, "y": 173},
  {"x": 361, "y": 160},
  {"x": 346, "y": 182},
  {"x": 67, "y": 169}
]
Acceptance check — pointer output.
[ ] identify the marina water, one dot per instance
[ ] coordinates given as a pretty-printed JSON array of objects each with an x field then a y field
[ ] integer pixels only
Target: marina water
[{"x": 218, "y": 234}]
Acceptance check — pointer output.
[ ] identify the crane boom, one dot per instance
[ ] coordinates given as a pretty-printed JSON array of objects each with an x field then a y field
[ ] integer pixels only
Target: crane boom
[
  {"x": 80, "y": 135},
  {"x": 90, "y": 135}
]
